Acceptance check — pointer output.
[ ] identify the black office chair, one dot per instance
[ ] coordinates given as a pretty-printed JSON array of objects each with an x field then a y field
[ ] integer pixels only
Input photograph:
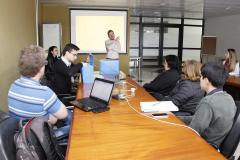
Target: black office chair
[
  {"x": 3, "y": 116},
  {"x": 8, "y": 127},
  {"x": 48, "y": 80},
  {"x": 66, "y": 98},
  {"x": 230, "y": 143}
]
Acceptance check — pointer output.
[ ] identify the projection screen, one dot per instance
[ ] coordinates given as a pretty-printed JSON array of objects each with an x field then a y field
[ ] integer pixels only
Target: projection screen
[{"x": 89, "y": 29}]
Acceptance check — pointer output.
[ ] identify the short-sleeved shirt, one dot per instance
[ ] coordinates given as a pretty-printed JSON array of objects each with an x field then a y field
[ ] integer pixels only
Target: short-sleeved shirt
[{"x": 28, "y": 98}]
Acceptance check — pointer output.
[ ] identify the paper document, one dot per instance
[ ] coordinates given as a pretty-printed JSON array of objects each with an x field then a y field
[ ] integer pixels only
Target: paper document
[{"x": 158, "y": 106}]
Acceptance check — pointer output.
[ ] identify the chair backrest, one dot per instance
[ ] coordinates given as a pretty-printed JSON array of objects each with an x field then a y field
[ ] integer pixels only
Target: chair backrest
[
  {"x": 8, "y": 128},
  {"x": 231, "y": 141}
]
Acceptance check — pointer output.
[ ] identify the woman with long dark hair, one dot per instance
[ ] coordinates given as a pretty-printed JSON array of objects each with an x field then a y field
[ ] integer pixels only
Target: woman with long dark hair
[
  {"x": 49, "y": 68},
  {"x": 51, "y": 58}
]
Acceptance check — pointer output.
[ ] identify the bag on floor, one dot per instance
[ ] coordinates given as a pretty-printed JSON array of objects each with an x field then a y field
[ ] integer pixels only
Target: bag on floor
[{"x": 36, "y": 141}]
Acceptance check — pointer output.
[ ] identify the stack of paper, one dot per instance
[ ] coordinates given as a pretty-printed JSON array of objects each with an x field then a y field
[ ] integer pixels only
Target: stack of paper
[{"x": 158, "y": 106}]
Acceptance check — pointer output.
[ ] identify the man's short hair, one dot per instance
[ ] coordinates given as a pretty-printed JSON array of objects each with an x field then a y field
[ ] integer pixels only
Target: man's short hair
[
  {"x": 31, "y": 60},
  {"x": 172, "y": 62},
  {"x": 215, "y": 73},
  {"x": 109, "y": 31},
  {"x": 69, "y": 47}
]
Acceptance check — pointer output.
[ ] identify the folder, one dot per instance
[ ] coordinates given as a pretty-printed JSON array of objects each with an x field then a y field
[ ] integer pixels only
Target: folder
[
  {"x": 158, "y": 106},
  {"x": 87, "y": 74}
]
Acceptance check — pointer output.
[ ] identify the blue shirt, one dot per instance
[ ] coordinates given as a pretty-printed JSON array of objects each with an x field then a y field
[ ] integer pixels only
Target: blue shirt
[{"x": 28, "y": 98}]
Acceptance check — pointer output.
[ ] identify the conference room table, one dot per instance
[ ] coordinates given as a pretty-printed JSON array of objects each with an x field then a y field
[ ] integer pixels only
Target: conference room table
[
  {"x": 233, "y": 81},
  {"x": 232, "y": 86},
  {"x": 123, "y": 134}
]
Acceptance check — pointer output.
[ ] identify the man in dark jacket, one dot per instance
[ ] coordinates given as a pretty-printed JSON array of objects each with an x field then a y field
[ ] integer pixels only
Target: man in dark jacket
[
  {"x": 166, "y": 81},
  {"x": 64, "y": 69}
]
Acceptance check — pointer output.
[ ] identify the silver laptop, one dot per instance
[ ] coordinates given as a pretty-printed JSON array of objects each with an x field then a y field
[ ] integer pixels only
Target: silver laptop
[{"x": 99, "y": 98}]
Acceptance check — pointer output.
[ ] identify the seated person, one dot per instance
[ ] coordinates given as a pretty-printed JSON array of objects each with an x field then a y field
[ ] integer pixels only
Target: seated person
[
  {"x": 64, "y": 70},
  {"x": 27, "y": 98},
  {"x": 51, "y": 59},
  {"x": 187, "y": 92},
  {"x": 165, "y": 81},
  {"x": 215, "y": 113},
  {"x": 231, "y": 62}
]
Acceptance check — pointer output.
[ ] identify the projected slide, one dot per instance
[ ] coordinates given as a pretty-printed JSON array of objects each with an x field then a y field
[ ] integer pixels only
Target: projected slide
[{"x": 89, "y": 29}]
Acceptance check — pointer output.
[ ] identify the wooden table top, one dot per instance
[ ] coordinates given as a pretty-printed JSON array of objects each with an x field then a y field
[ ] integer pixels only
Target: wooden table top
[
  {"x": 233, "y": 81},
  {"x": 123, "y": 134}
]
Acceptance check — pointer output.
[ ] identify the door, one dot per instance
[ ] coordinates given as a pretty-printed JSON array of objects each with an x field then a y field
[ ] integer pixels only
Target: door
[
  {"x": 171, "y": 41},
  {"x": 150, "y": 45},
  {"x": 159, "y": 40}
]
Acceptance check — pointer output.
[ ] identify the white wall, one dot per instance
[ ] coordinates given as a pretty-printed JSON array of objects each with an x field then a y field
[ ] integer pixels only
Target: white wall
[{"x": 227, "y": 30}]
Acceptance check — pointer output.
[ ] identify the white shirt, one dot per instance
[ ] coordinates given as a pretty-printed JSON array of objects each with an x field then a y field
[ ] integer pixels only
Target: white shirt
[
  {"x": 68, "y": 64},
  {"x": 66, "y": 61},
  {"x": 236, "y": 70},
  {"x": 113, "y": 48}
]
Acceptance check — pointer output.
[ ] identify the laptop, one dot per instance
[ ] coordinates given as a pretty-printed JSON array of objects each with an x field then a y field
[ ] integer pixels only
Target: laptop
[{"x": 99, "y": 98}]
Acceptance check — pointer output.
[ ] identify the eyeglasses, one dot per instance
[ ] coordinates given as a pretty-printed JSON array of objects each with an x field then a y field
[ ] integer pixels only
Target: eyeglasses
[{"x": 74, "y": 54}]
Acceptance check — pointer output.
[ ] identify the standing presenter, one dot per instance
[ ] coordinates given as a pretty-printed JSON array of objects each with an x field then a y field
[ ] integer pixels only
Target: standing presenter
[{"x": 113, "y": 46}]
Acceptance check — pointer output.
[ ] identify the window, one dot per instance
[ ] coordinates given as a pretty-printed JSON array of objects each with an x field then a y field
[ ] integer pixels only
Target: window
[
  {"x": 134, "y": 52},
  {"x": 156, "y": 45},
  {"x": 151, "y": 20},
  {"x": 172, "y": 20},
  {"x": 189, "y": 54},
  {"x": 134, "y": 35},
  {"x": 193, "y": 22},
  {"x": 192, "y": 37}
]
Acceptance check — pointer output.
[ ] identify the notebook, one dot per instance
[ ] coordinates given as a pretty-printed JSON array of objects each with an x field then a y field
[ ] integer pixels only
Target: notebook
[
  {"x": 158, "y": 106},
  {"x": 99, "y": 98}
]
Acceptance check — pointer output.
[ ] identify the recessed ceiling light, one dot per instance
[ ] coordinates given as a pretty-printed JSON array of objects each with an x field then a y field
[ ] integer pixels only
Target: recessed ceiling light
[
  {"x": 162, "y": 4},
  {"x": 228, "y": 7}
]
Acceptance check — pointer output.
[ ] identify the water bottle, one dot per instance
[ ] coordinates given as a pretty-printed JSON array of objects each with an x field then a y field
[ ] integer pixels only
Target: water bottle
[{"x": 91, "y": 60}]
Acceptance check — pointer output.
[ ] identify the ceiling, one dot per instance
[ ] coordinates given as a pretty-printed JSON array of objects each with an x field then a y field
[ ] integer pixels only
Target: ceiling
[{"x": 164, "y": 8}]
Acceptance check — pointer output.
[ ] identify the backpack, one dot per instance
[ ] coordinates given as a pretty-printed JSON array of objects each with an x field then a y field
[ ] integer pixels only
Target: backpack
[{"x": 35, "y": 140}]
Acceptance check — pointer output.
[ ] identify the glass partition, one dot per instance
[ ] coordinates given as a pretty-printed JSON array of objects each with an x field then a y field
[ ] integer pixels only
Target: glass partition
[
  {"x": 151, "y": 37},
  {"x": 192, "y": 37},
  {"x": 134, "y": 35}
]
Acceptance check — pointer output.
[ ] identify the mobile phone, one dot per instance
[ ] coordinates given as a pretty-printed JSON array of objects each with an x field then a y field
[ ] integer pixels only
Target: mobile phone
[{"x": 159, "y": 114}]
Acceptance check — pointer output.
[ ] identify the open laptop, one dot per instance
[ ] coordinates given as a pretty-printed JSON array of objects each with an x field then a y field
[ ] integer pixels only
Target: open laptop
[{"x": 99, "y": 98}]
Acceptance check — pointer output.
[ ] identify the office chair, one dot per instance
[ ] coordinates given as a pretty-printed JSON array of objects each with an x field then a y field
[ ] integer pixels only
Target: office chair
[
  {"x": 3, "y": 116},
  {"x": 230, "y": 143},
  {"x": 48, "y": 80},
  {"x": 8, "y": 126}
]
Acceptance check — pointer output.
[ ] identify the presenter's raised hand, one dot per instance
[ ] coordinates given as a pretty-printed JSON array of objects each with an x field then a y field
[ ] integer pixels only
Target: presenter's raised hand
[{"x": 118, "y": 38}]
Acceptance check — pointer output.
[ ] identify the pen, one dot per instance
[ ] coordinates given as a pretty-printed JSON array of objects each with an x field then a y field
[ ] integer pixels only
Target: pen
[{"x": 155, "y": 104}]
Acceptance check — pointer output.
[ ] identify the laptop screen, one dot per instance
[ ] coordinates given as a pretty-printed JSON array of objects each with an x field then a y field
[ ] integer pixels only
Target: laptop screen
[{"x": 102, "y": 89}]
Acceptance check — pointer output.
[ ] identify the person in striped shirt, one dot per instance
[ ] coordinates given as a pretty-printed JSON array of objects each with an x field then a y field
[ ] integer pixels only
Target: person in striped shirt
[{"x": 27, "y": 98}]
